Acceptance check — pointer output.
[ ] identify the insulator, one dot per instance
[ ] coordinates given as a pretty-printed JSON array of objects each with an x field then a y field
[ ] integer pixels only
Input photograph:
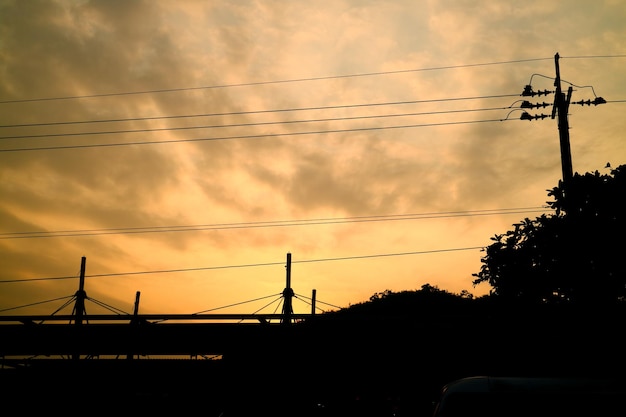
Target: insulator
[
  {"x": 529, "y": 105},
  {"x": 528, "y": 91},
  {"x": 598, "y": 100},
  {"x": 544, "y": 92}
]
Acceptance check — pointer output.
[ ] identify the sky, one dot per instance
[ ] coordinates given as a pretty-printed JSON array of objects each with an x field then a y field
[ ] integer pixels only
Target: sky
[{"x": 188, "y": 149}]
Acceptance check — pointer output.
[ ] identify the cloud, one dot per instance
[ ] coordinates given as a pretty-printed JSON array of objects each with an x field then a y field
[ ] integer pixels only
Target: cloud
[{"x": 227, "y": 85}]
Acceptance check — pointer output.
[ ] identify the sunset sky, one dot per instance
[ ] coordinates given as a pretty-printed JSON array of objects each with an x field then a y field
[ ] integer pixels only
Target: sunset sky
[{"x": 184, "y": 148}]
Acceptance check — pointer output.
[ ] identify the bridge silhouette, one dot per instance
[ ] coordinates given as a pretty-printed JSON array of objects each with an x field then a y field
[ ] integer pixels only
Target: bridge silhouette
[
  {"x": 247, "y": 363},
  {"x": 30, "y": 338},
  {"x": 162, "y": 363}
]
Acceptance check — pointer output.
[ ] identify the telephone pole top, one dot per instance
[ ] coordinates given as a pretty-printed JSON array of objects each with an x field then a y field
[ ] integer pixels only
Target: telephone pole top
[{"x": 560, "y": 108}]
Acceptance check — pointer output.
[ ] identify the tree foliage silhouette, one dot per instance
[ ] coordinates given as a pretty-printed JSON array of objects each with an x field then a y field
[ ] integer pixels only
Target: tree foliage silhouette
[
  {"x": 574, "y": 256},
  {"x": 428, "y": 301}
]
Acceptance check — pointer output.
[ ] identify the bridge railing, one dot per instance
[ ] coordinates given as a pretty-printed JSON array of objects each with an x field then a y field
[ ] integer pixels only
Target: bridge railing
[{"x": 150, "y": 318}]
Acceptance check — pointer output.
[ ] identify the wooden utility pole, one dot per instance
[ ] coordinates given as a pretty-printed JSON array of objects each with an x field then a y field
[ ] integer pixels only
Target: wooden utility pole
[{"x": 560, "y": 109}]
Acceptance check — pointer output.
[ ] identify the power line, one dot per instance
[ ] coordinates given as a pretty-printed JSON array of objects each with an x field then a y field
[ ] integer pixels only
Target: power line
[
  {"x": 249, "y": 112},
  {"x": 259, "y": 136},
  {"x": 168, "y": 271},
  {"x": 593, "y": 56},
  {"x": 266, "y": 224},
  {"x": 281, "y": 122},
  {"x": 389, "y": 254},
  {"x": 271, "y": 82}
]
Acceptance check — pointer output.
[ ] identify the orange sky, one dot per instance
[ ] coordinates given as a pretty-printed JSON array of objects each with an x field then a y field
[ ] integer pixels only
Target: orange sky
[{"x": 409, "y": 157}]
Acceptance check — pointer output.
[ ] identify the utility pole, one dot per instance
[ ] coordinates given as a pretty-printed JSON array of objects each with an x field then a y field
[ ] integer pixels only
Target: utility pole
[{"x": 560, "y": 108}]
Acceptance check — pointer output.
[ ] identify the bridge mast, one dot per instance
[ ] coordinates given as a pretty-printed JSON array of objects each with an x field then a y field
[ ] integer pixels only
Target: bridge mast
[
  {"x": 287, "y": 295},
  {"x": 79, "y": 306}
]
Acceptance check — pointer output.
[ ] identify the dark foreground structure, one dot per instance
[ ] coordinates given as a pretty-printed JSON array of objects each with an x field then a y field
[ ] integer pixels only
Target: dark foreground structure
[
  {"x": 527, "y": 396},
  {"x": 313, "y": 366}
]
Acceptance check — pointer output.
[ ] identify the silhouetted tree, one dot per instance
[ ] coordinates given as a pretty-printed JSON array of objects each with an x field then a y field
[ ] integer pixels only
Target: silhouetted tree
[
  {"x": 410, "y": 304},
  {"x": 573, "y": 256}
]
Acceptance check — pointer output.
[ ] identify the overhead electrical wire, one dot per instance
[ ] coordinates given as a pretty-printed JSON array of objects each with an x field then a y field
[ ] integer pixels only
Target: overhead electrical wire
[
  {"x": 295, "y": 80},
  {"x": 281, "y": 122},
  {"x": 266, "y": 224},
  {"x": 250, "y": 112},
  {"x": 565, "y": 82},
  {"x": 258, "y": 136},
  {"x": 371, "y": 218},
  {"x": 252, "y": 136},
  {"x": 79, "y": 146},
  {"x": 593, "y": 56},
  {"x": 284, "y": 122},
  {"x": 258, "y": 83},
  {"x": 208, "y": 268}
]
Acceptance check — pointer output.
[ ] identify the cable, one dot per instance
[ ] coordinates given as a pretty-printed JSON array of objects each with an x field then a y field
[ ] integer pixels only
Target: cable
[
  {"x": 272, "y": 135},
  {"x": 277, "y": 300},
  {"x": 270, "y": 82},
  {"x": 248, "y": 112},
  {"x": 108, "y": 307},
  {"x": 38, "y": 303},
  {"x": 389, "y": 254},
  {"x": 145, "y": 272},
  {"x": 67, "y": 303},
  {"x": 566, "y": 82},
  {"x": 593, "y": 56},
  {"x": 316, "y": 301},
  {"x": 237, "y": 304},
  {"x": 285, "y": 122},
  {"x": 244, "y": 265},
  {"x": 264, "y": 224}
]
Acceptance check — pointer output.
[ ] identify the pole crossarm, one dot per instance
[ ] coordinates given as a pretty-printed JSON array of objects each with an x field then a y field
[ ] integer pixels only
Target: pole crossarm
[{"x": 560, "y": 108}]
